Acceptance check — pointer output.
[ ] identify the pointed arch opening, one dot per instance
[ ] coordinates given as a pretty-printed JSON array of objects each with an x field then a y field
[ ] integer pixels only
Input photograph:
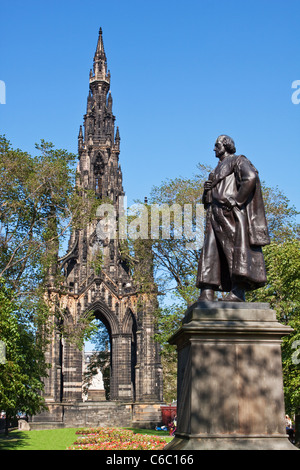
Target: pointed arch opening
[
  {"x": 98, "y": 361},
  {"x": 130, "y": 328},
  {"x": 114, "y": 354}
]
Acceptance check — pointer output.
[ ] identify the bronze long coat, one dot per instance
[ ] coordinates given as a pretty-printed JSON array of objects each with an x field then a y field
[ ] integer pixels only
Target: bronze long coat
[{"x": 231, "y": 253}]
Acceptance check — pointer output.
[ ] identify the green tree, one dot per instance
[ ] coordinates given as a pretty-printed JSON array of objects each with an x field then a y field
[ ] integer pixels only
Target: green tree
[
  {"x": 281, "y": 216},
  {"x": 39, "y": 203},
  {"x": 282, "y": 292},
  {"x": 23, "y": 367},
  {"x": 175, "y": 259},
  {"x": 168, "y": 321}
]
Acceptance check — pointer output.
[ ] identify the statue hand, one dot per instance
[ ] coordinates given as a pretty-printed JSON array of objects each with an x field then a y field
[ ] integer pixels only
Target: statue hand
[
  {"x": 230, "y": 203},
  {"x": 207, "y": 185}
]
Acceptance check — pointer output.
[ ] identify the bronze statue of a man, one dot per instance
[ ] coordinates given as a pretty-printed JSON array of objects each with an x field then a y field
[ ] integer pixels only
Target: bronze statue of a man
[{"x": 231, "y": 258}]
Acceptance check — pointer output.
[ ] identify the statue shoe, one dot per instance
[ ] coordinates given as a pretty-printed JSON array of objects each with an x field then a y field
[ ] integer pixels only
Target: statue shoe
[
  {"x": 207, "y": 295},
  {"x": 236, "y": 295}
]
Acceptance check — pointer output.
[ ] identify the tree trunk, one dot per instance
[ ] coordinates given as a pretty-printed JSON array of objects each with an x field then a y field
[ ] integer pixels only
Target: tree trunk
[{"x": 7, "y": 421}]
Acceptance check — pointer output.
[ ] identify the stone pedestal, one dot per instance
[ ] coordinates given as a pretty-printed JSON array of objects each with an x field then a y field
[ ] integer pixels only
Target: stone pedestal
[
  {"x": 230, "y": 388},
  {"x": 96, "y": 395}
]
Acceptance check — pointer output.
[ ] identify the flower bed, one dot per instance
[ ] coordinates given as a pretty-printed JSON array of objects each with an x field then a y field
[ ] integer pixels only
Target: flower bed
[{"x": 115, "y": 439}]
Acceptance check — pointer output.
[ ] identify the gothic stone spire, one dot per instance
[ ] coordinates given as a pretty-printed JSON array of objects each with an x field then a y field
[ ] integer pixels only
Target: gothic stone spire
[
  {"x": 99, "y": 144},
  {"x": 100, "y": 62},
  {"x": 98, "y": 278}
]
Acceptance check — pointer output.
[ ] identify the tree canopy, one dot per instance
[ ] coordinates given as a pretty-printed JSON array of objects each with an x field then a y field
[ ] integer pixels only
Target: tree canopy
[
  {"x": 23, "y": 366},
  {"x": 39, "y": 204}
]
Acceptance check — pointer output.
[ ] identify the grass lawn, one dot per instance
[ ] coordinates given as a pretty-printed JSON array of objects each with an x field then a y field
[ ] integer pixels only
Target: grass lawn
[{"x": 51, "y": 439}]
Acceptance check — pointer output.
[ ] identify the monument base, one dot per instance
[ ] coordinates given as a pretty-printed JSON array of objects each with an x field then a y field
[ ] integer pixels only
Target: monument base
[
  {"x": 230, "y": 443},
  {"x": 230, "y": 387},
  {"x": 95, "y": 414}
]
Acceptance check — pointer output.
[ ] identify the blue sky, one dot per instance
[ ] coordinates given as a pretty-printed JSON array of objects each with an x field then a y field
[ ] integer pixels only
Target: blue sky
[{"x": 182, "y": 72}]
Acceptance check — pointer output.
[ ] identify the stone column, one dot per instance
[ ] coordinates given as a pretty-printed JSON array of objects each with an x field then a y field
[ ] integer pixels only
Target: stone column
[
  {"x": 72, "y": 373},
  {"x": 148, "y": 367},
  {"x": 53, "y": 383},
  {"x": 230, "y": 388}
]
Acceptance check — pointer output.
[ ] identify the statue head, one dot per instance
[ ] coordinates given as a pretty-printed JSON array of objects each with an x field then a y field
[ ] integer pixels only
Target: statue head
[{"x": 223, "y": 144}]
